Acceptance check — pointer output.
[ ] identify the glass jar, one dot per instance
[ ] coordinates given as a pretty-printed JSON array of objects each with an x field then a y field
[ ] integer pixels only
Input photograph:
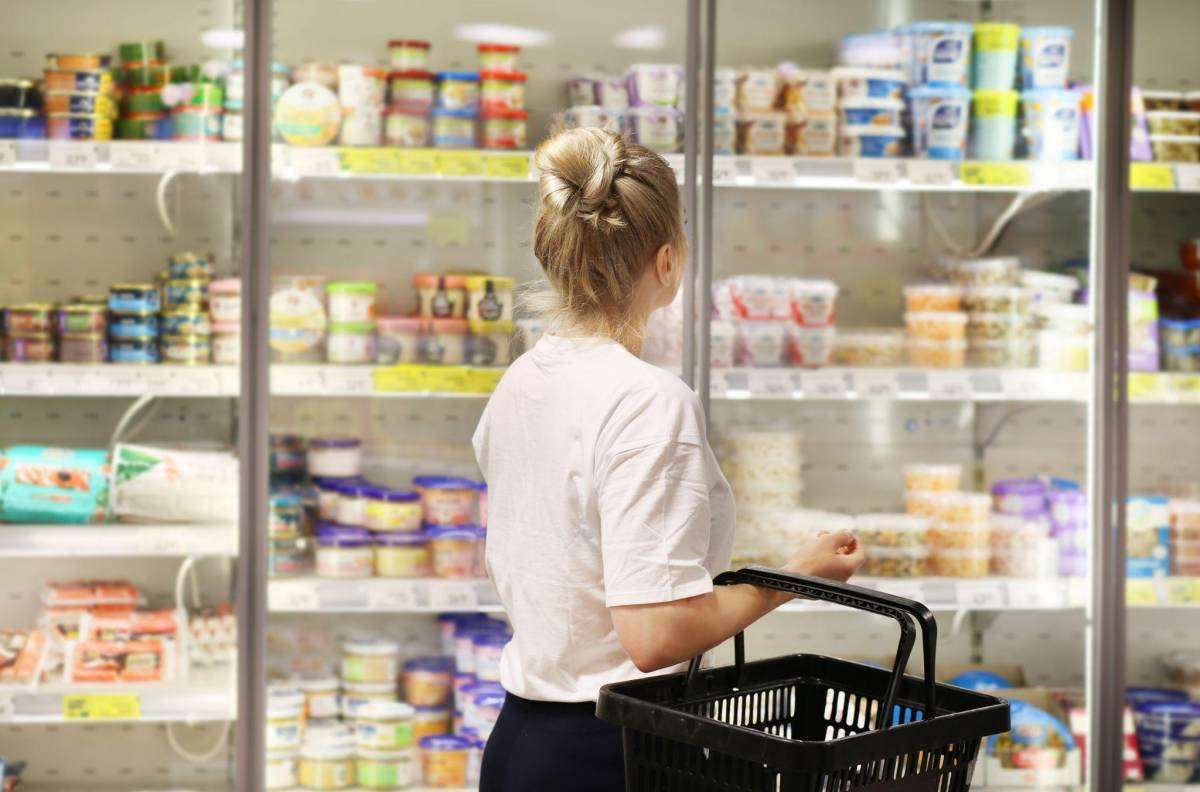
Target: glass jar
[
  {"x": 452, "y": 550},
  {"x": 427, "y": 681},
  {"x": 384, "y": 726},
  {"x": 403, "y": 555},
  {"x": 393, "y": 510},
  {"x": 344, "y": 551},
  {"x": 370, "y": 661}
]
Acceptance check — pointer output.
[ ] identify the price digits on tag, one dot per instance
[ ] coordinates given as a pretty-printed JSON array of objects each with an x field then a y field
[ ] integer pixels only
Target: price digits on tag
[
  {"x": 447, "y": 595},
  {"x": 101, "y": 706}
]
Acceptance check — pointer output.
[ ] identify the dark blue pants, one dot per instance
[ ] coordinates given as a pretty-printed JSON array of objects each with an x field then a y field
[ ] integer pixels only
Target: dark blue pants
[{"x": 540, "y": 746}]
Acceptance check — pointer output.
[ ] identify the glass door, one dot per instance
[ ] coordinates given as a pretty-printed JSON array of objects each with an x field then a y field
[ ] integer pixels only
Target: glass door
[
  {"x": 401, "y": 216},
  {"x": 118, "y": 479},
  {"x": 900, "y": 332}
]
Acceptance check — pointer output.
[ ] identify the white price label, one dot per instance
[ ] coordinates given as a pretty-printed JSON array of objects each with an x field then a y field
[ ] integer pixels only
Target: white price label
[
  {"x": 292, "y": 596},
  {"x": 950, "y": 385},
  {"x": 934, "y": 173},
  {"x": 1187, "y": 178},
  {"x": 877, "y": 384},
  {"x": 452, "y": 595},
  {"x": 716, "y": 386},
  {"x": 389, "y": 595},
  {"x": 983, "y": 594},
  {"x": 72, "y": 154},
  {"x": 8, "y": 153},
  {"x": 824, "y": 385},
  {"x": 134, "y": 156},
  {"x": 773, "y": 170},
  {"x": 357, "y": 381},
  {"x": 125, "y": 381},
  {"x": 770, "y": 384},
  {"x": 898, "y": 588},
  {"x": 725, "y": 168},
  {"x": 17, "y": 381},
  {"x": 182, "y": 156},
  {"x": 157, "y": 379},
  {"x": 315, "y": 161},
  {"x": 939, "y": 592},
  {"x": 1032, "y": 594},
  {"x": 878, "y": 170}
]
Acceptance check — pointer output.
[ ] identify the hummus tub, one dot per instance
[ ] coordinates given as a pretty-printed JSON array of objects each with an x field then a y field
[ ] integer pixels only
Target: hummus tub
[
  {"x": 1051, "y": 124},
  {"x": 941, "y": 52},
  {"x": 1045, "y": 57}
]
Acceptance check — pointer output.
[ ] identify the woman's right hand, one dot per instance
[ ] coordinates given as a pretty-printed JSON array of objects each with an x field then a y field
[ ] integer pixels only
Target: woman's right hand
[{"x": 834, "y": 556}]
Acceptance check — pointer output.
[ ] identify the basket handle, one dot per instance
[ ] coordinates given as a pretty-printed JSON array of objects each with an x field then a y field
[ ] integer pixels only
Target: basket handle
[{"x": 857, "y": 597}]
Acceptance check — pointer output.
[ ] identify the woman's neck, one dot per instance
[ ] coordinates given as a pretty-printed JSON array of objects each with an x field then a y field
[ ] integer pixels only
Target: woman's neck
[{"x": 629, "y": 335}]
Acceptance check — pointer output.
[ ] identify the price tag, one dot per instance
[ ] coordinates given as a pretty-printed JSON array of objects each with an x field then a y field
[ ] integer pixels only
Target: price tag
[
  {"x": 416, "y": 162},
  {"x": 485, "y": 380},
  {"x": 1140, "y": 592},
  {"x": 1183, "y": 591},
  {"x": 1187, "y": 177},
  {"x": 772, "y": 170},
  {"x": 824, "y": 385},
  {"x": 949, "y": 385},
  {"x": 1151, "y": 176},
  {"x": 8, "y": 153},
  {"x": 768, "y": 384},
  {"x": 1146, "y": 386},
  {"x": 877, "y": 384},
  {"x": 460, "y": 163},
  {"x": 934, "y": 173},
  {"x": 939, "y": 592},
  {"x": 292, "y": 596},
  {"x": 1187, "y": 387},
  {"x": 168, "y": 545},
  {"x": 101, "y": 706},
  {"x": 353, "y": 381},
  {"x": 877, "y": 170},
  {"x": 397, "y": 596},
  {"x": 983, "y": 595},
  {"x": 995, "y": 174},
  {"x": 342, "y": 596},
  {"x": 403, "y": 378},
  {"x": 447, "y": 379},
  {"x": 452, "y": 595},
  {"x": 316, "y": 161},
  {"x": 133, "y": 156},
  {"x": 716, "y": 385},
  {"x": 182, "y": 156},
  {"x": 725, "y": 169},
  {"x": 1032, "y": 595},
  {"x": 899, "y": 588},
  {"x": 508, "y": 166},
  {"x": 72, "y": 154},
  {"x": 354, "y": 160}
]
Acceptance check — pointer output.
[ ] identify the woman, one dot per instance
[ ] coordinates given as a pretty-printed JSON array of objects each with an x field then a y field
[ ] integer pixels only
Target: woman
[{"x": 608, "y": 514}]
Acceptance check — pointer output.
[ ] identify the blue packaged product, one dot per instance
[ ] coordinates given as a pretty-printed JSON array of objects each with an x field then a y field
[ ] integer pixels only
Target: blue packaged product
[
  {"x": 858, "y": 83},
  {"x": 453, "y": 128},
  {"x": 1031, "y": 728},
  {"x": 1045, "y": 57},
  {"x": 22, "y": 124},
  {"x": 141, "y": 326},
  {"x": 1148, "y": 540},
  {"x": 940, "y": 52},
  {"x": 872, "y": 141},
  {"x": 981, "y": 680},
  {"x": 996, "y": 47},
  {"x": 40, "y": 484},
  {"x": 994, "y": 125},
  {"x": 1051, "y": 124},
  {"x": 940, "y": 114},
  {"x": 133, "y": 298},
  {"x": 871, "y": 112},
  {"x": 132, "y": 351}
]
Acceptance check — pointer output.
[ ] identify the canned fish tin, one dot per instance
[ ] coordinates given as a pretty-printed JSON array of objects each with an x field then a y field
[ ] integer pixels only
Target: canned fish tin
[
  {"x": 100, "y": 300},
  {"x": 146, "y": 75},
  {"x": 29, "y": 349},
  {"x": 81, "y": 103},
  {"x": 185, "y": 321},
  {"x": 197, "y": 123},
  {"x": 78, "y": 126},
  {"x": 184, "y": 292},
  {"x": 141, "y": 326},
  {"x": 72, "y": 80},
  {"x": 89, "y": 348},
  {"x": 183, "y": 266},
  {"x": 31, "y": 319},
  {"x": 22, "y": 124},
  {"x": 186, "y": 350},
  {"x": 133, "y": 297},
  {"x": 82, "y": 319},
  {"x": 145, "y": 126},
  {"x": 129, "y": 351}
]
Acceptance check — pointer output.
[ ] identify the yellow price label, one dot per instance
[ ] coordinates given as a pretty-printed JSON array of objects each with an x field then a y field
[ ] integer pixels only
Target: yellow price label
[
  {"x": 1151, "y": 176},
  {"x": 995, "y": 174},
  {"x": 364, "y": 160},
  {"x": 1187, "y": 386},
  {"x": 508, "y": 166},
  {"x": 485, "y": 380},
  {"x": 403, "y": 378},
  {"x": 415, "y": 162},
  {"x": 101, "y": 706},
  {"x": 1141, "y": 592},
  {"x": 460, "y": 163},
  {"x": 448, "y": 379},
  {"x": 1183, "y": 591},
  {"x": 1145, "y": 385}
]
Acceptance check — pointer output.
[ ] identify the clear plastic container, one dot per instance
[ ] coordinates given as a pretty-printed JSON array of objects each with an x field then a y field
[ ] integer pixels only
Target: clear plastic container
[
  {"x": 985, "y": 272},
  {"x": 356, "y": 695},
  {"x": 447, "y": 500},
  {"x": 936, "y": 325},
  {"x": 961, "y": 537},
  {"x": 320, "y": 696},
  {"x": 869, "y": 347},
  {"x": 924, "y": 353},
  {"x": 924, "y": 503},
  {"x": 393, "y": 510},
  {"x": 1066, "y": 318},
  {"x": 452, "y": 549},
  {"x": 995, "y": 299},
  {"x": 762, "y": 344},
  {"x": 997, "y": 327},
  {"x": 891, "y": 530},
  {"x": 966, "y": 508},
  {"x": 384, "y": 726},
  {"x": 1038, "y": 562},
  {"x": 1016, "y": 535},
  {"x": 813, "y": 302},
  {"x": 932, "y": 477},
  {"x": 1185, "y": 559},
  {"x": 959, "y": 564},
  {"x": 896, "y": 562},
  {"x": 370, "y": 661},
  {"x": 923, "y": 297},
  {"x": 1048, "y": 287},
  {"x": 1001, "y": 354},
  {"x": 1059, "y": 352},
  {"x": 403, "y": 555}
]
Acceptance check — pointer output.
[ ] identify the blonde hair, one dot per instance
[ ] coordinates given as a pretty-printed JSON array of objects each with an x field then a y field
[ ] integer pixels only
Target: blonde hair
[{"x": 605, "y": 207}]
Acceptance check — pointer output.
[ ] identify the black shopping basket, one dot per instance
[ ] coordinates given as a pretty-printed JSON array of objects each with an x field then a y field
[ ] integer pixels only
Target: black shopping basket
[{"x": 804, "y": 723}]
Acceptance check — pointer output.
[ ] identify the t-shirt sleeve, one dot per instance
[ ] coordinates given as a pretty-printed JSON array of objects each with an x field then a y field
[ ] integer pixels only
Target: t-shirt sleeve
[
  {"x": 479, "y": 442},
  {"x": 653, "y": 500}
]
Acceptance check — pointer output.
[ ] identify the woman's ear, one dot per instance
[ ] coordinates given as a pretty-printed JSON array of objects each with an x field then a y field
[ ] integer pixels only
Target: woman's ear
[{"x": 667, "y": 266}]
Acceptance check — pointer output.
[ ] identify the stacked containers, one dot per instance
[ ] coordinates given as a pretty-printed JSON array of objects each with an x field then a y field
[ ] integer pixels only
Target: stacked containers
[
  {"x": 936, "y": 325},
  {"x": 765, "y": 467},
  {"x": 449, "y": 506},
  {"x": 809, "y": 99},
  {"x": 352, "y": 312},
  {"x": 1169, "y": 740},
  {"x": 79, "y": 99},
  {"x": 898, "y": 544},
  {"x": 362, "y": 95},
  {"x": 185, "y": 325},
  {"x": 21, "y": 106},
  {"x": 28, "y": 333},
  {"x": 502, "y": 97},
  {"x": 775, "y": 321},
  {"x": 761, "y": 128},
  {"x": 441, "y": 337},
  {"x": 811, "y": 336},
  {"x": 1021, "y": 530},
  {"x": 143, "y": 74},
  {"x": 298, "y": 318},
  {"x": 82, "y": 329},
  {"x": 939, "y": 70},
  {"x": 597, "y": 101},
  {"x": 655, "y": 92},
  {"x": 994, "y": 118},
  {"x": 999, "y": 328},
  {"x": 197, "y": 101},
  {"x": 960, "y": 535},
  {"x": 133, "y": 322},
  {"x": 225, "y": 313},
  {"x": 456, "y": 110},
  {"x": 1052, "y": 111},
  {"x": 871, "y": 112},
  {"x": 490, "y": 319},
  {"x": 724, "y": 129},
  {"x": 410, "y": 90},
  {"x": 1185, "y": 537},
  {"x": 232, "y": 124},
  {"x": 1068, "y": 528}
]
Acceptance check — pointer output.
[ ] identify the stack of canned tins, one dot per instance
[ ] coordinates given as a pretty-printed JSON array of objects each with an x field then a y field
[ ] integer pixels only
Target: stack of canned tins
[
  {"x": 79, "y": 99},
  {"x": 21, "y": 109},
  {"x": 198, "y": 102},
  {"x": 186, "y": 327},
  {"x": 142, "y": 75},
  {"x": 44, "y": 332}
]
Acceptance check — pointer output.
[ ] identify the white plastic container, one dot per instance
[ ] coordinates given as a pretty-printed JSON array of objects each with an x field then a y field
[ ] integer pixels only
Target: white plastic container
[
  {"x": 1046, "y": 56},
  {"x": 810, "y": 347},
  {"x": 335, "y": 457},
  {"x": 871, "y": 112},
  {"x": 812, "y": 301},
  {"x": 864, "y": 83},
  {"x": 940, "y": 116},
  {"x": 761, "y": 344},
  {"x": 941, "y": 52},
  {"x": 871, "y": 142}
]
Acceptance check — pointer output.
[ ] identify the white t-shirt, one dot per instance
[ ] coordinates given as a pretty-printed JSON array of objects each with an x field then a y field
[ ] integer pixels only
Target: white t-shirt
[{"x": 602, "y": 491}]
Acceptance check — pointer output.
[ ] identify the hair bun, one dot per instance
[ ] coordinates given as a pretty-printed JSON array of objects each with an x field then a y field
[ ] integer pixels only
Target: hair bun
[{"x": 579, "y": 170}]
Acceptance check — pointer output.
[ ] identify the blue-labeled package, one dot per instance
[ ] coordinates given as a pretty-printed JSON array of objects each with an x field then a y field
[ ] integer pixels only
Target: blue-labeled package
[
  {"x": 185, "y": 292},
  {"x": 860, "y": 83},
  {"x": 872, "y": 141},
  {"x": 131, "y": 351},
  {"x": 454, "y": 128},
  {"x": 22, "y": 124},
  {"x": 1031, "y": 728},
  {"x": 41, "y": 484},
  {"x": 141, "y": 326},
  {"x": 185, "y": 321},
  {"x": 1051, "y": 124},
  {"x": 133, "y": 298},
  {"x": 940, "y": 115},
  {"x": 940, "y": 52},
  {"x": 1179, "y": 332},
  {"x": 871, "y": 112},
  {"x": 1045, "y": 57},
  {"x": 980, "y": 679}
]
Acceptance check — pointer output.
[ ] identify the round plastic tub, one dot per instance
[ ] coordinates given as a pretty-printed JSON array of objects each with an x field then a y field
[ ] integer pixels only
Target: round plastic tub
[
  {"x": 452, "y": 549},
  {"x": 1017, "y": 353},
  {"x": 986, "y": 271},
  {"x": 871, "y": 142},
  {"x": 427, "y": 681},
  {"x": 926, "y": 353},
  {"x": 284, "y": 724},
  {"x": 446, "y": 500},
  {"x": 392, "y": 510},
  {"x": 940, "y": 117},
  {"x": 489, "y": 298},
  {"x": 1015, "y": 534},
  {"x": 891, "y": 530},
  {"x": 810, "y": 347},
  {"x": 497, "y": 57},
  {"x": 1176, "y": 148},
  {"x": 384, "y": 726},
  {"x": 399, "y": 339},
  {"x": 1064, "y": 318},
  {"x": 344, "y": 551},
  {"x": 921, "y": 297},
  {"x": 994, "y": 125},
  {"x": 320, "y": 696},
  {"x": 381, "y": 769},
  {"x": 932, "y": 477},
  {"x": 896, "y": 562},
  {"x": 960, "y": 564},
  {"x": 995, "y": 299},
  {"x": 352, "y": 503},
  {"x": 867, "y": 83},
  {"x": 408, "y": 53},
  {"x": 1059, "y": 352},
  {"x": 1052, "y": 124},
  {"x": 761, "y": 344},
  {"x": 959, "y": 537},
  {"x": 812, "y": 302},
  {"x": 489, "y": 647},
  {"x": 1025, "y": 497},
  {"x": 936, "y": 325},
  {"x": 996, "y": 46},
  {"x": 1046, "y": 56},
  {"x": 444, "y": 342},
  {"x": 403, "y": 555},
  {"x": 869, "y": 347},
  {"x": 371, "y": 662},
  {"x": 326, "y": 766},
  {"x": 458, "y": 91},
  {"x": 997, "y": 327},
  {"x": 444, "y": 761},
  {"x": 926, "y": 503},
  {"x": 871, "y": 112},
  {"x": 940, "y": 52},
  {"x": 1163, "y": 100},
  {"x": 335, "y": 457},
  {"x": 356, "y": 695},
  {"x": 428, "y": 721},
  {"x": 1173, "y": 122},
  {"x": 1038, "y": 562},
  {"x": 966, "y": 508},
  {"x": 441, "y": 296}
]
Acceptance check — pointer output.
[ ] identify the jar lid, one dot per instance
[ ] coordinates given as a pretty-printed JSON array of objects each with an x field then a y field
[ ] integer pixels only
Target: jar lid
[
  {"x": 351, "y": 287},
  {"x": 401, "y": 538},
  {"x": 385, "y": 710},
  {"x": 371, "y": 646},
  {"x": 455, "y": 75},
  {"x": 443, "y": 482},
  {"x": 489, "y": 700},
  {"x": 508, "y": 76},
  {"x": 491, "y": 638},
  {"x": 413, "y": 43},
  {"x": 445, "y": 742},
  {"x": 317, "y": 682},
  {"x": 429, "y": 664},
  {"x": 461, "y": 532},
  {"x": 335, "y": 442},
  {"x": 334, "y": 535},
  {"x": 490, "y": 47}
]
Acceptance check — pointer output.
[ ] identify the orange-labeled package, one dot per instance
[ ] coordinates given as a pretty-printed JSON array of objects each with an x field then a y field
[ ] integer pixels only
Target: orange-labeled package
[{"x": 119, "y": 661}]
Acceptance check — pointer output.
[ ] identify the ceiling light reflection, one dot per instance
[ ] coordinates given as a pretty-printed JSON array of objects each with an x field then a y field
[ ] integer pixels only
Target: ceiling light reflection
[
  {"x": 649, "y": 37},
  {"x": 495, "y": 33}
]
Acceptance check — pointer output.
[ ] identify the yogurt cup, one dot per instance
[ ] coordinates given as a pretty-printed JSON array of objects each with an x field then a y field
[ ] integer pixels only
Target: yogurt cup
[
  {"x": 1051, "y": 124},
  {"x": 941, "y": 52},
  {"x": 994, "y": 125},
  {"x": 654, "y": 84},
  {"x": 860, "y": 83},
  {"x": 1045, "y": 57},
  {"x": 761, "y": 344},
  {"x": 813, "y": 302},
  {"x": 762, "y": 133},
  {"x": 871, "y": 112},
  {"x": 657, "y": 128},
  {"x": 593, "y": 115},
  {"x": 995, "y": 64},
  {"x": 756, "y": 90},
  {"x": 810, "y": 347},
  {"x": 871, "y": 142},
  {"x": 940, "y": 116}
]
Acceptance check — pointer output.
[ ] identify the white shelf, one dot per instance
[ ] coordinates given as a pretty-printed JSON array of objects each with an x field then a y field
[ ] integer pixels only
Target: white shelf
[
  {"x": 115, "y": 379},
  {"x": 207, "y": 695},
  {"x": 381, "y": 595},
  {"x": 901, "y": 384},
  {"x": 116, "y": 540}
]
